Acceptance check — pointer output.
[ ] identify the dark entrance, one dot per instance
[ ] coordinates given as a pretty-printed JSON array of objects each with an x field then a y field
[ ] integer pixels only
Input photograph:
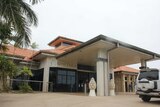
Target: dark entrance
[
  {"x": 84, "y": 77},
  {"x": 64, "y": 80},
  {"x": 68, "y": 80}
]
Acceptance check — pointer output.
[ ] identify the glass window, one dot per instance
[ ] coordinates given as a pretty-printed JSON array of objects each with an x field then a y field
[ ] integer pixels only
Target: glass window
[
  {"x": 150, "y": 75},
  {"x": 66, "y": 43},
  {"x": 71, "y": 73},
  {"x": 61, "y": 79},
  {"x": 73, "y": 80},
  {"x": 62, "y": 72}
]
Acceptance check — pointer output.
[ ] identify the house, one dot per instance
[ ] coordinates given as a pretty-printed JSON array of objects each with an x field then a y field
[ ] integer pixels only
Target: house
[
  {"x": 71, "y": 63},
  {"x": 125, "y": 78}
]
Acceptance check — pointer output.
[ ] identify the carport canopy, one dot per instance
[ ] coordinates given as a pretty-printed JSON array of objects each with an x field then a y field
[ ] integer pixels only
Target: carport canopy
[{"x": 119, "y": 53}]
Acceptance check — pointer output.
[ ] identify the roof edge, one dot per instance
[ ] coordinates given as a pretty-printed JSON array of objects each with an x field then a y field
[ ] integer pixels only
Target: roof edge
[
  {"x": 97, "y": 38},
  {"x": 63, "y": 38},
  {"x": 105, "y": 38},
  {"x": 41, "y": 52}
]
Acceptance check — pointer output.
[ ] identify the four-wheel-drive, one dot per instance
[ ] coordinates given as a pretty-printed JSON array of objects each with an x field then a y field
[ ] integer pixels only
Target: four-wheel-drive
[{"x": 148, "y": 84}]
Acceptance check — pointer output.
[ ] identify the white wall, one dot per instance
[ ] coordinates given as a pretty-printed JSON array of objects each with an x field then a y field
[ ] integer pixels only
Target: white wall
[
  {"x": 70, "y": 65},
  {"x": 48, "y": 62}
]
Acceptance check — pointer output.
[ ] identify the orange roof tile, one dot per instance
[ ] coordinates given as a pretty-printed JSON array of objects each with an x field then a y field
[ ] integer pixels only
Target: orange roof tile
[
  {"x": 125, "y": 68},
  {"x": 21, "y": 52},
  {"x": 60, "y": 39},
  {"x": 59, "y": 50}
]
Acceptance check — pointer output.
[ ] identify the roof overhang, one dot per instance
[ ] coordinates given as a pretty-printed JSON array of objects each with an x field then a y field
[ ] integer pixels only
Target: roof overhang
[
  {"x": 41, "y": 55},
  {"x": 60, "y": 39},
  {"x": 120, "y": 53}
]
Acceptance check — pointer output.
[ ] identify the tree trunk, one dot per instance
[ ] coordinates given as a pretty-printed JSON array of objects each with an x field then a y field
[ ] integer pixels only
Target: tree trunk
[{"x": 3, "y": 81}]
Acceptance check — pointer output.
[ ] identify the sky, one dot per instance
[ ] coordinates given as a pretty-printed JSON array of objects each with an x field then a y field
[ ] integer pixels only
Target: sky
[{"x": 136, "y": 22}]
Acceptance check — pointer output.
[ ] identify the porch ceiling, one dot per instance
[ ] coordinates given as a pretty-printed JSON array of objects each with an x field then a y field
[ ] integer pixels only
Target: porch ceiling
[{"x": 122, "y": 53}]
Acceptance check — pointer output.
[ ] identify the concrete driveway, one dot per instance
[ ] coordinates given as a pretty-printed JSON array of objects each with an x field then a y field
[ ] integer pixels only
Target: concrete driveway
[{"x": 70, "y": 100}]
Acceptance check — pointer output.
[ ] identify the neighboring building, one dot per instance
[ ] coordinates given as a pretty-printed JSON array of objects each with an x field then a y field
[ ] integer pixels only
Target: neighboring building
[
  {"x": 71, "y": 63},
  {"x": 125, "y": 78}
]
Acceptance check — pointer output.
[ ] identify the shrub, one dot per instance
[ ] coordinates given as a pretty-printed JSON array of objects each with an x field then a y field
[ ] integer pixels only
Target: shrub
[{"x": 25, "y": 88}]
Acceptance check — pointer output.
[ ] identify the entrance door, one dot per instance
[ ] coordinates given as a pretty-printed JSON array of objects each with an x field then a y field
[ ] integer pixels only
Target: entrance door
[
  {"x": 84, "y": 77},
  {"x": 126, "y": 86}
]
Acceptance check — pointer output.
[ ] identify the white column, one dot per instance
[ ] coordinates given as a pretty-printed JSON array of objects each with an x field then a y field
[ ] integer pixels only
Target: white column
[
  {"x": 112, "y": 84},
  {"x": 46, "y": 75},
  {"x": 45, "y": 79},
  {"x": 143, "y": 63},
  {"x": 102, "y": 83},
  {"x": 106, "y": 78}
]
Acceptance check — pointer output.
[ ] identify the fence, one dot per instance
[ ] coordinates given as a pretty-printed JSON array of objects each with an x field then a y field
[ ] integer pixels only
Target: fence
[{"x": 35, "y": 85}]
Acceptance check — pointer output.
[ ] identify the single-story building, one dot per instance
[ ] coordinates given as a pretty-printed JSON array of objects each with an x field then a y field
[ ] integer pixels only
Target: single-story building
[
  {"x": 71, "y": 63},
  {"x": 125, "y": 78}
]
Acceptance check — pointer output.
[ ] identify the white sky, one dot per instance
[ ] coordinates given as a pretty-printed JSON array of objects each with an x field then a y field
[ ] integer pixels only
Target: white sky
[{"x": 136, "y": 22}]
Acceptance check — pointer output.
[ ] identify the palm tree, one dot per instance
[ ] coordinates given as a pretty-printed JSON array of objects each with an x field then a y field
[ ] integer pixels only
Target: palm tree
[
  {"x": 34, "y": 45},
  {"x": 5, "y": 35},
  {"x": 35, "y": 1},
  {"x": 17, "y": 14}
]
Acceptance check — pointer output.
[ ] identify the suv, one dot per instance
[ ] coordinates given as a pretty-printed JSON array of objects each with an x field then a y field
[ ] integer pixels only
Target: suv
[{"x": 148, "y": 84}]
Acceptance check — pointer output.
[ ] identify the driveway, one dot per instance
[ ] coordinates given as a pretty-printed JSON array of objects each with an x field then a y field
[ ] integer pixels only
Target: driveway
[{"x": 72, "y": 100}]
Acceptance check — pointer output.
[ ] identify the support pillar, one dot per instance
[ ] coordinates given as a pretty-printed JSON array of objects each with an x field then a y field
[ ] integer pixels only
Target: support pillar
[
  {"x": 143, "y": 64},
  {"x": 111, "y": 84},
  {"x": 102, "y": 74},
  {"x": 46, "y": 75},
  {"x": 45, "y": 79}
]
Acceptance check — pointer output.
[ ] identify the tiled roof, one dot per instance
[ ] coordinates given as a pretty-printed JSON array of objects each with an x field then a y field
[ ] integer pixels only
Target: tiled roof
[
  {"x": 60, "y": 39},
  {"x": 21, "y": 52},
  {"x": 125, "y": 68},
  {"x": 57, "y": 51}
]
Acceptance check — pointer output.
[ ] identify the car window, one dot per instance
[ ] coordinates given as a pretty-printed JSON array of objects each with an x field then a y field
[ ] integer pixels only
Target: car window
[{"x": 150, "y": 75}]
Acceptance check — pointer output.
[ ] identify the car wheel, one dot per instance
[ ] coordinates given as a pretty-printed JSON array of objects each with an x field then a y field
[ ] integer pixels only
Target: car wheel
[{"x": 146, "y": 98}]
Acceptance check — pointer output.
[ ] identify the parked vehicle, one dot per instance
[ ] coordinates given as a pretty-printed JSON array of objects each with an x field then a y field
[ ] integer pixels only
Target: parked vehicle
[{"x": 148, "y": 84}]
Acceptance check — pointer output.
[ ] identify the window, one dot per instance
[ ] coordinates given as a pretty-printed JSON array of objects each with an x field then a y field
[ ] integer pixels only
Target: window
[
  {"x": 150, "y": 75},
  {"x": 62, "y": 77},
  {"x": 63, "y": 44},
  {"x": 66, "y": 43},
  {"x": 66, "y": 77}
]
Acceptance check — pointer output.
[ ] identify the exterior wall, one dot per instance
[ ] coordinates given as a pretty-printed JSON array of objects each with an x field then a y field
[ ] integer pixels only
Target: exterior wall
[
  {"x": 130, "y": 79},
  {"x": 48, "y": 61},
  {"x": 118, "y": 82},
  {"x": 125, "y": 81},
  {"x": 66, "y": 65}
]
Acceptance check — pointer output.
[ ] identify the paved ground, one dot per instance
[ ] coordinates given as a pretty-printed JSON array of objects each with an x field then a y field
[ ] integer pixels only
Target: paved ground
[{"x": 68, "y": 100}]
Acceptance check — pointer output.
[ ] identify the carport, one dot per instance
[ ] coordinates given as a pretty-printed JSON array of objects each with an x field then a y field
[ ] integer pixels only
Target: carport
[{"x": 105, "y": 54}]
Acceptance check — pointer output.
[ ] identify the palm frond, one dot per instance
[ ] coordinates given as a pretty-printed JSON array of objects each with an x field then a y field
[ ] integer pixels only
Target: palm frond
[
  {"x": 35, "y": 1},
  {"x": 20, "y": 16},
  {"x": 31, "y": 16}
]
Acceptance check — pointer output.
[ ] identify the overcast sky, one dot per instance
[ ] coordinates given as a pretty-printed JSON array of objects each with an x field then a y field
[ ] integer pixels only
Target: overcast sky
[{"x": 136, "y": 22}]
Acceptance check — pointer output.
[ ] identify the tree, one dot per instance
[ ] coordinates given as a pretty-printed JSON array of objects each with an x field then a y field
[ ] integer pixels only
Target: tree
[
  {"x": 5, "y": 35},
  {"x": 34, "y": 45},
  {"x": 35, "y": 1},
  {"x": 18, "y": 15},
  {"x": 25, "y": 72},
  {"x": 7, "y": 68}
]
